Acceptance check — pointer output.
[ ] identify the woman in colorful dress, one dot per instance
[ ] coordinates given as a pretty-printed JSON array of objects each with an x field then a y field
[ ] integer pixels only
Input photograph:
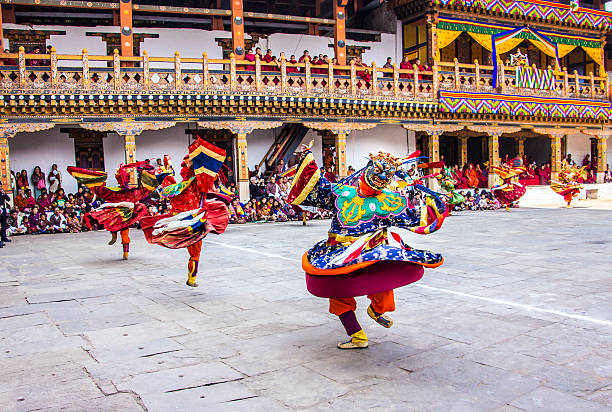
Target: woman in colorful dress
[{"x": 366, "y": 252}]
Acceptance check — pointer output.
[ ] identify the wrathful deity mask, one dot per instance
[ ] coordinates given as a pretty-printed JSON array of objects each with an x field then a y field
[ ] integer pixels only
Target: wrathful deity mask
[{"x": 380, "y": 170}]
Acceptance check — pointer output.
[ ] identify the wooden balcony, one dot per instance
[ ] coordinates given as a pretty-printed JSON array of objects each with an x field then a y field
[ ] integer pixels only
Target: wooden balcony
[{"x": 145, "y": 85}]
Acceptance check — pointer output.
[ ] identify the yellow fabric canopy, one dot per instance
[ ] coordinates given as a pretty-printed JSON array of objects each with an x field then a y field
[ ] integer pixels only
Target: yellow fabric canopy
[
  {"x": 483, "y": 39},
  {"x": 595, "y": 54}
]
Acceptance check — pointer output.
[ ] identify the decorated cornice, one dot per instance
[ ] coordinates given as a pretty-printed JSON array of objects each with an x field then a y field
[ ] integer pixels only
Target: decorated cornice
[
  {"x": 552, "y": 132},
  {"x": 340, "y": 127},
  {"x": 127, "y": 128},
  {"x": 11, "y": 129},
  {"x": 598, "y": 133},
  {"x": 433, "y": 128},
  {"x": 493, "y": 130},
  {"x": 551, "y": 12},
  {"x": 239, "y": 127}
]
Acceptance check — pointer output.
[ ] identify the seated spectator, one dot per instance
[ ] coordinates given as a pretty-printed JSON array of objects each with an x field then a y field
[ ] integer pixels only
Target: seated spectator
[
  {"x": 272, "y": 188},
  {"x": 264, "y": 210},
  {"x": 237, "y": 214},
  {"x": 250, "y": 212},
  {"x": 33, "y": 220},
  {"x": 277, "y": 213},
  {"x": 15, "y": 224},
  {"x": 256, "y": 189},
  {"x": 44, "y": 202},
  {"x": 58, "y": 222},
  {"x": 74, "y": 224},
  {"x": 43, "y": 224}
]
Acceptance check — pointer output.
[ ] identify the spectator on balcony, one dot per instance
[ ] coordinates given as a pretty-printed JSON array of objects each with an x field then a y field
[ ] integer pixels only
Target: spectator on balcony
[
  {"x": 36, "y": 61},
  {"x": 292, "y": 69},
  {"x": 365, "y": 73},
  {"x": 268, "y": 58},
  {"x": 250, "y": 57},
  {"x": 305, "y": 57},
  {"x": 258, "y": 52},
  {"x": 255, "y": 172},
  {"x": 388, "y": 65},
  {"x": 337, "y": 72},
  {"x": 406, "y": 65},
  {"x": 9, "y": 62}
]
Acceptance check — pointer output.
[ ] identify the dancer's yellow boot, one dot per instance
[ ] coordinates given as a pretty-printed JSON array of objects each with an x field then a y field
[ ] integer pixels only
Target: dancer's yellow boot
[
  {"x": 359, "y": 340},
  {"x": 192, "y": 272},
  {"x": 126, "y": 250}
]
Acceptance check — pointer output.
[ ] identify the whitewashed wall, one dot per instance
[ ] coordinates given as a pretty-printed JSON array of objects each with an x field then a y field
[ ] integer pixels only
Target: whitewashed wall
[
  {"x": 192, "y": 42},
  {"x": 27, "y": 150},
  {"x": 317, "y": 145},
  {"x": 578, "y": 145},
  {"x": 390, "y": 138},
  {"x": 296, "y": 44},
  {"x": 258, "y": 143},
  {"x": 114, "y": 154}
]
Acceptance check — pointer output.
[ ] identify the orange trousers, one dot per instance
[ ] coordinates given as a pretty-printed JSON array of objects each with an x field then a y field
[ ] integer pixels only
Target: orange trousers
[
  {"x": 125, "y": 236},
  {"x": 194, "y": 251},
  {"x": 381, "y": 302}
]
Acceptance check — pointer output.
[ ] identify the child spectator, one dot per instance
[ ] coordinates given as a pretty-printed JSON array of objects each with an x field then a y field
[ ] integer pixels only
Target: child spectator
[
  {"x": 43, "y": 224},
  {"x": 15, "y": 224},
  {"x": 74, "y": 224}
]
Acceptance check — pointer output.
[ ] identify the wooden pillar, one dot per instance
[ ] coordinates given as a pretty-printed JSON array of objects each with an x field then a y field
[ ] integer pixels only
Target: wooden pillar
[
  {"x": 602, "y": 157},
  {"x": 5, "y": 167},
  {"x": 555, "y": 154},
  {"x": 243, "y": 167},
  {"x": 493, "y": 156},
  {"x": 217, "y": 21},
  {"x": 433, "y": 147},
  {"x": 340, "y": 31},
  {"x": 1, "y": 32},
  {"x": 433, "y": 152},
  {"x": 237, "y": 29},
  {"x": 520, "y": 147},
  {"x": 463, "y": 151},
  {"x": 130, "y": 154},
  {"x": 341, "y": 155},
  {"x": 127, "y": 35}
]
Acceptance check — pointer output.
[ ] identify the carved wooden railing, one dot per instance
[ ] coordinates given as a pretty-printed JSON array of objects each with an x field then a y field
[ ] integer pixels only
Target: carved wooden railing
[
  {"x": 479, "y": 78},
  {"x": 88, "y": 74},
  {"x": 55, "y": 73}
]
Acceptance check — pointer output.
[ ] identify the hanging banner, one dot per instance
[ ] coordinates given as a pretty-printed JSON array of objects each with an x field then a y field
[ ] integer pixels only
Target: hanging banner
[{"x": 506, "y": 41}]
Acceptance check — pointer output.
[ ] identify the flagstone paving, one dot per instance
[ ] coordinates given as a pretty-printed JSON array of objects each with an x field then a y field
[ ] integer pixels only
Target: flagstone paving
[{"x": 80, "y": 329}]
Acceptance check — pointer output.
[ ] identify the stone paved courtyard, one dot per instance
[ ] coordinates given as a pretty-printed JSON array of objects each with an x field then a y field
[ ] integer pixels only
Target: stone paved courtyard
[{"x": 518, "y": 318}]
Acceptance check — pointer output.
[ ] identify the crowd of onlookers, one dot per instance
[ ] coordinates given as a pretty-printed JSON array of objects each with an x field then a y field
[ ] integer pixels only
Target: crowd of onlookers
[
  {"x": 270, "y": 63},
  {"x": 40, "y": 204}
]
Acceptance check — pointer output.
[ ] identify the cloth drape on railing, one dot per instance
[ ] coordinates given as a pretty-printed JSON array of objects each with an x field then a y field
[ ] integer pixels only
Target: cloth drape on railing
[{"x": 527, "y": 77}]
